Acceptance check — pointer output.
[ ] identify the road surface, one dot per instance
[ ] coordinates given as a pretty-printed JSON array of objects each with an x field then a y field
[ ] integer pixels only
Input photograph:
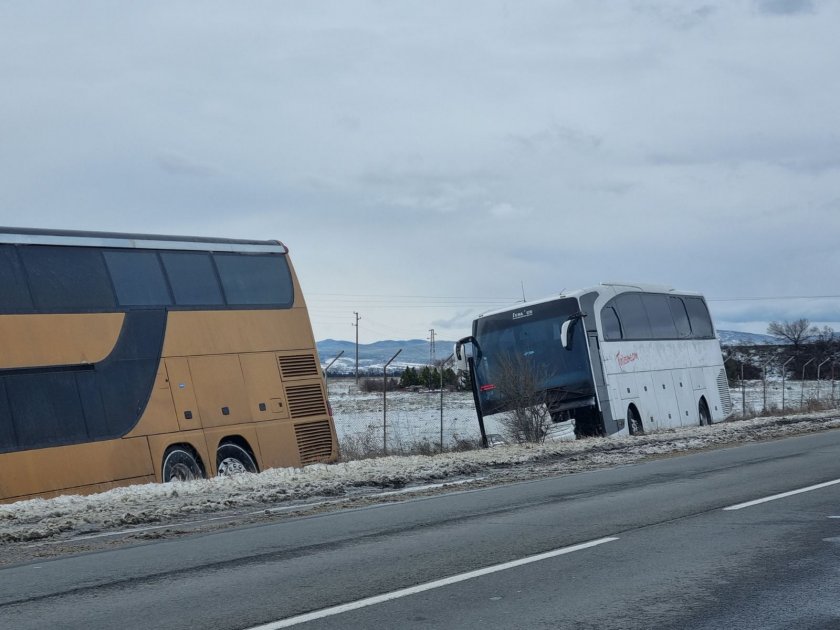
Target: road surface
[{"x": 650, "y": 545}]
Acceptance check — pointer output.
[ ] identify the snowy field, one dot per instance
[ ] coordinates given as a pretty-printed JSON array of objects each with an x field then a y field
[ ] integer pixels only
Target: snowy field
[
  {"x": 415, "y": 418},
  {"x": 797, "y": 395},
  {"x": 412, "y": 417},
  {"x": 146, "y": 509}
]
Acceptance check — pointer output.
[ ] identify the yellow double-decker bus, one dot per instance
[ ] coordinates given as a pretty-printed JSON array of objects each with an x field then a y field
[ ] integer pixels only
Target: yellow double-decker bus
[{"x": 130, "y": 358}]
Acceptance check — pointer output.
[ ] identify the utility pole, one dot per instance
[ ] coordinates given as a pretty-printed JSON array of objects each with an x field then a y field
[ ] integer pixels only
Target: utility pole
[
  {"x": 357, "y": 344},
  {"x": 431, "y": 355}
]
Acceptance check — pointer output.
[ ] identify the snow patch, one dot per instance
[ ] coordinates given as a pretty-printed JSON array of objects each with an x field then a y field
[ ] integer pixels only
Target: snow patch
[{"x": 177, "y": 503}]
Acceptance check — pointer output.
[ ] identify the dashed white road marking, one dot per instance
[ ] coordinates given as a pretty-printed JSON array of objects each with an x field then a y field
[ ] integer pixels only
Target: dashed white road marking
[
  {"x": 782, "y": 495},
  {"x": 428, "y": 586}
]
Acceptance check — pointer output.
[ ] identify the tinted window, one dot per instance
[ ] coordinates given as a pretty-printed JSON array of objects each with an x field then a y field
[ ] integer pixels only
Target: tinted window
[
  {"x": 701, "y": 323},
  {"x": 138, "y": 278},
  {"x": 633, "y": 317},
  {"x": 659, "y": 315},
  {"x": 8, "y": 439},
  {"x": 192, "y": 278},
  {"x": 610, "y": 323},
  {"x": 14, "y": 294},
  {"x": 67, "y": 278},
  {"x": 680, "y": 317},
  {"x": 255, "y": 279}
]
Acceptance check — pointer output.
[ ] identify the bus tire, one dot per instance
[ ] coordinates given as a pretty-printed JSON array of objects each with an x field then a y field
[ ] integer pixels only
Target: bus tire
[
  {"x": 232, "y": 459},
  {"x": 703, "y": 412},
  {"x": 634, "y": 421},
  {"x": 179, "y": 464}
]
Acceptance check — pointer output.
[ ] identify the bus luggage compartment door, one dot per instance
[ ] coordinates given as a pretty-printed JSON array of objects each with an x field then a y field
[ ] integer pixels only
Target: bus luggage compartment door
[{"x": 183, "y": 394}]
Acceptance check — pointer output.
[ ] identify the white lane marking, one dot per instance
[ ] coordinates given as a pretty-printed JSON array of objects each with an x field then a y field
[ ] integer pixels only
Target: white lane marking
[
  {"x": 740, "y": 506},
  {"x": 420, "y": 588}
]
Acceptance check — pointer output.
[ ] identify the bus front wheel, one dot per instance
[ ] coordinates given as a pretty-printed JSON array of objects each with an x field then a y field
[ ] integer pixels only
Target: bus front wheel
[
  {"x": 232, "y": 459},
  {"x": 634, "y": 421},
  {"x": 705, "y": 416},
  {"x": 179, "y": 464}
]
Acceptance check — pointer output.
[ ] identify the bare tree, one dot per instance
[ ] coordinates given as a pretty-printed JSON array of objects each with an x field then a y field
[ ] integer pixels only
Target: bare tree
[
  {"x": 797, "y": 332},
  {"x": 520, "y": 383}
]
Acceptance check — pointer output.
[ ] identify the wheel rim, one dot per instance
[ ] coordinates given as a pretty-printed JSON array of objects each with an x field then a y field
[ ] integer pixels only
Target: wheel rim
[{"x": 231, "y": 466}]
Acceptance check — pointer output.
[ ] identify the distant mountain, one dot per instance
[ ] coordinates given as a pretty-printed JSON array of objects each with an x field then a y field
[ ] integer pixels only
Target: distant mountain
[
  {"x": 372, "y": 356},
  {"x": 737, "y": 338}
]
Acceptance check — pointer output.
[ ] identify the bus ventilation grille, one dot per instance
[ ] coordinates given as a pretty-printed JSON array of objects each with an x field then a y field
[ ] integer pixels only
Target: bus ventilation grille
[
  {"x": 314, "y": 441},
  {"x": 298, "y": 365},
  {"x": 723, "y": 389},
  {"x": 306, "y": 400}
]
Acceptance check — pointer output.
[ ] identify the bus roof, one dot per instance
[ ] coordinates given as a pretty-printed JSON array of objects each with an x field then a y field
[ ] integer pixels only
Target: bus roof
[
  {"x": 34, "y": 236},
  {"x": 615, "y": 287}
]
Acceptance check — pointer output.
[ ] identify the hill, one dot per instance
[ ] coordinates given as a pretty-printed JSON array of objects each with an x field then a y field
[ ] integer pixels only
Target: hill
[{"x": 372, "y": 356}]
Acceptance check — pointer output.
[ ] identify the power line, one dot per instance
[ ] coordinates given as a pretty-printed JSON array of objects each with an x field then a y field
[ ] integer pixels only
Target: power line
[{"x": 774, "y": 297}]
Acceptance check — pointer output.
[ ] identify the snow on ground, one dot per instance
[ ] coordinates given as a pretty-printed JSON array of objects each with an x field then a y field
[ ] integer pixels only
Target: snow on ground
[{"x": 152, "y": 504}]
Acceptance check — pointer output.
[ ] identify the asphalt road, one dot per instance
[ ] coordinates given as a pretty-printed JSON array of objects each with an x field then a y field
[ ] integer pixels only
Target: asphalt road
[{"x": 668, "y": 556}]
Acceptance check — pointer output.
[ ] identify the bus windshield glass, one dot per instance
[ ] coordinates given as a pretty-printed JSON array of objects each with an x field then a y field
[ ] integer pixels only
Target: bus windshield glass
[{"x": 519, "y": 355}]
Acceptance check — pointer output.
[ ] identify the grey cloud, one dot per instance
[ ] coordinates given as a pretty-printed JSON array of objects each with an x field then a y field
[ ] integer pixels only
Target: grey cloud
[
  {"x": 179, "y": 165},
  {"x": 785, "y": 7},
  {"x": 557, "y": 136},
  {"x": 679, "y": 15},
  {"x": 801, "y": 153}
]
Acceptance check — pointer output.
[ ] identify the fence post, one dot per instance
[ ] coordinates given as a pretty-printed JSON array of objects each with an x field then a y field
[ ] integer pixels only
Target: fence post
[
  {"x": 442, "y": 366},
  {"x": 819, "y": 383},
  {"x": 327, "y": 369},
  {"x": 764, "y": 380},
  {"x": 802, "y": 390},
  {"x": 385, "y": 404},
  {"x": 784, "y": 376},
  {"x": 743, "y": 393}
]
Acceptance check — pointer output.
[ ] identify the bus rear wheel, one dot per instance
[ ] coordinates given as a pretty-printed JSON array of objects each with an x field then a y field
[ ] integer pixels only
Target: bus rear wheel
[
  {"x": 703, "y": 412},
  {"x": 179, "y": 464},
  {"x": 634, "y": 421},
  {"x": 232, "y": 459}
]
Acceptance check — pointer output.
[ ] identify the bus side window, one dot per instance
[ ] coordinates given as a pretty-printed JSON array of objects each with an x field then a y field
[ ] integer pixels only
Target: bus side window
[
  {"x": 138, "y": 278},
  {"x": 698, "y": 314},
  {"x": 66, "y": 279},
  {"x": 611, "y": 324},
  {"x": 634, "y": 319},
  {"x": 15, "y": 295},
  {"x": 680, "y": 317},
  {"x": 661, "y": 321},
  {"x": 192, "y": 278}
]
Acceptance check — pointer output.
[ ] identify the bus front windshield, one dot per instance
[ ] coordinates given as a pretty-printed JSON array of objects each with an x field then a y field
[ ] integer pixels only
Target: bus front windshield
[{"x": 520, "y": 358}]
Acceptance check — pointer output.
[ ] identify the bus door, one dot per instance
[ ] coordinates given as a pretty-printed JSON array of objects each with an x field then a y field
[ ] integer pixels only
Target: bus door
[{"x": 600, "y": 383}]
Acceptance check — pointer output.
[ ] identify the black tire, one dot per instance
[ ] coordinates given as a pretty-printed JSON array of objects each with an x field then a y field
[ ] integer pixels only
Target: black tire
[
  {"x": 232, "y": 459},
  {"x": 703, "y": 412},
  {"x": 634, "y": 422},
  {"x": 179, "y": 464}
]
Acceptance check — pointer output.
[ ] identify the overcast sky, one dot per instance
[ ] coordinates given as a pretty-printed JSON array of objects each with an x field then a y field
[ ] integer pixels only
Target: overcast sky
[{"x": 425, "y": 160}]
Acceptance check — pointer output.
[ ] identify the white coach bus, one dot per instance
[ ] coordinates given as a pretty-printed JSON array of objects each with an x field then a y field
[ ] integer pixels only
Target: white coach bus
[{"x": 615, "y": 358}]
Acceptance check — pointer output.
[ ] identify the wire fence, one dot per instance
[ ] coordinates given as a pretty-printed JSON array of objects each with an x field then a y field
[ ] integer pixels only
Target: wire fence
[
  {"x": 769, "y": 395},
  {"x": 401, "y": 422},
  {"x": 369, "y": 424}
]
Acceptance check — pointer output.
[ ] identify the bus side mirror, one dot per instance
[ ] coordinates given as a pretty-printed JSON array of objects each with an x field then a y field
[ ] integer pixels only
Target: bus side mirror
[
  {"x": 460, "y": 358},
  {"x": 565, "y": 337},
  {"x": 567, "y": 329}
]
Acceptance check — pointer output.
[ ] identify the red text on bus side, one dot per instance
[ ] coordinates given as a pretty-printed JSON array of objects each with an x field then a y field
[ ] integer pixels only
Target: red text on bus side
[{"x": 624, "y": 359}]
